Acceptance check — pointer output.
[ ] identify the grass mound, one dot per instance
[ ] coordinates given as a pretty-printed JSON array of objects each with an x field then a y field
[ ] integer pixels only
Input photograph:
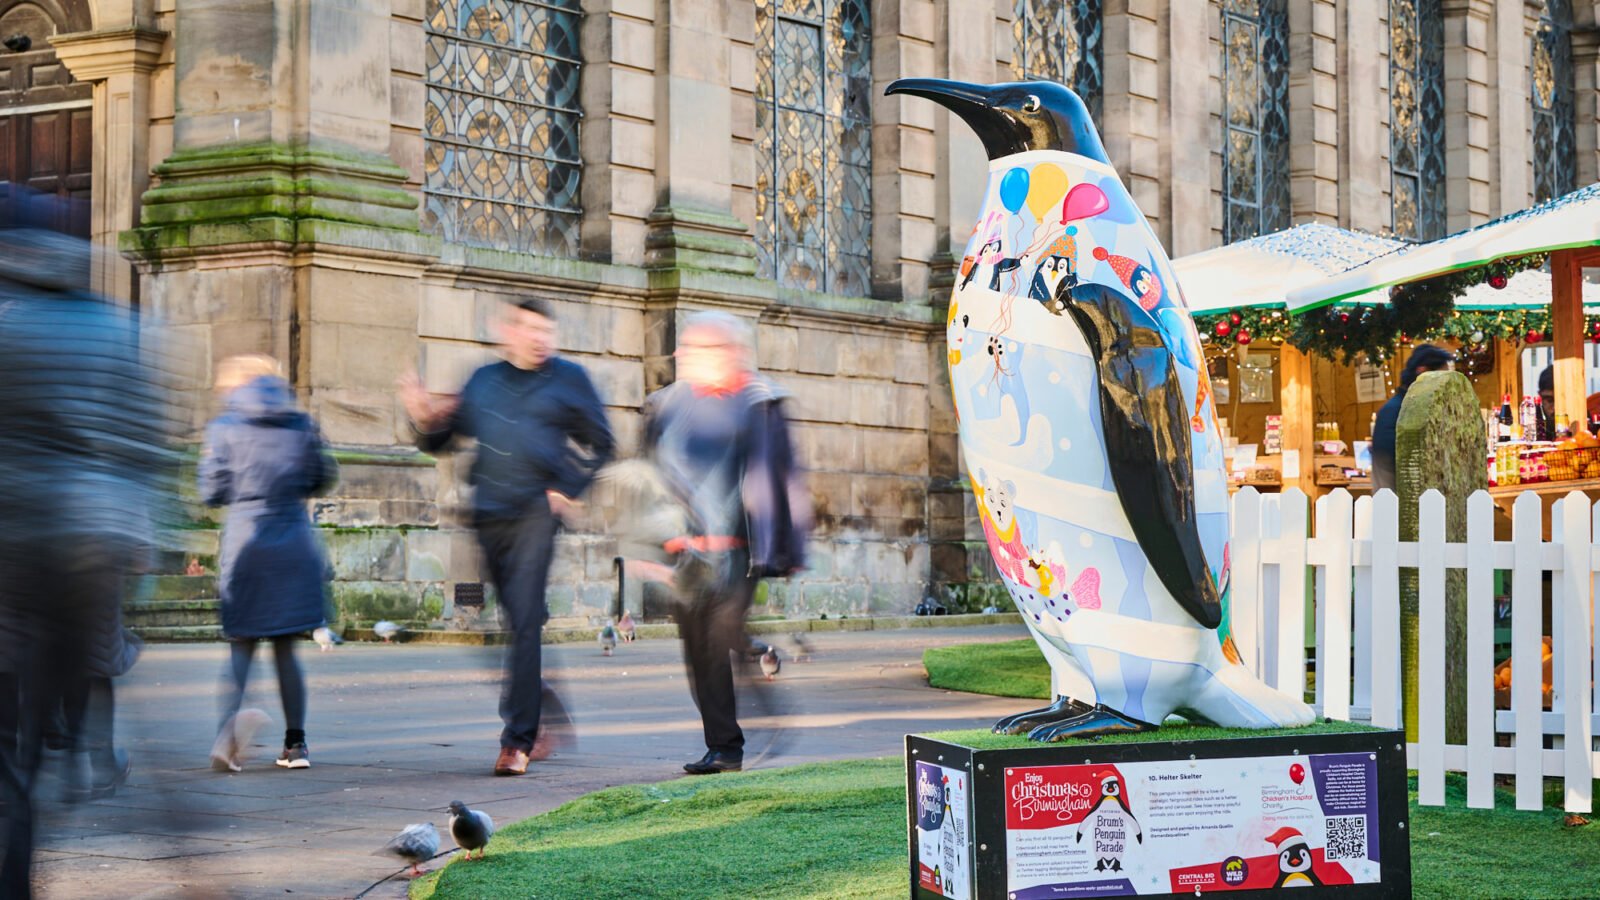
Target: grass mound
[
  {"x": 1004, "y": 669},
  {"x": 835, "y": 830}
]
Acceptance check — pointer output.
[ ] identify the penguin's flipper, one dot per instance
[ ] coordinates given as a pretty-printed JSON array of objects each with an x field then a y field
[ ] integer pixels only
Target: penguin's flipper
[
  {"x": 1100, "y": 720},
  {"x": 1146, "y": 428},
  {"x": 1065, "y": 709}
]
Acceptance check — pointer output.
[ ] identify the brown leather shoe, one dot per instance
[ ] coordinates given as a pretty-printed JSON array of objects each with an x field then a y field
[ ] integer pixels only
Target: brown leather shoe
[{"x": 511, "y": 761}]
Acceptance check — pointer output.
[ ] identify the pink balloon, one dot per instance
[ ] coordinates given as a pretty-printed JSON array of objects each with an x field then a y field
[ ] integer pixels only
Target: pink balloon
[{"x": 1083, "y": 201}]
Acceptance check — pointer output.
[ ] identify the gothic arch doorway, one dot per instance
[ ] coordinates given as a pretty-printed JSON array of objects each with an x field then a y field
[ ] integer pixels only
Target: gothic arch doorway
[{"x": 46, "y": 139}]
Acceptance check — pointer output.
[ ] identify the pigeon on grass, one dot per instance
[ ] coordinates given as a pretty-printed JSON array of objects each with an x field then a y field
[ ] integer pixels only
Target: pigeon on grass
[
  {"x": 416, "y": 844},
  {"x": 471, "y": 828}
]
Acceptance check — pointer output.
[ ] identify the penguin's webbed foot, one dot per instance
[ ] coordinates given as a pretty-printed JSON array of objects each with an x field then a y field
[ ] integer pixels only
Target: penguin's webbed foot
[
  {"x": 1062, "y": 710},
  {"x": 1100, "y": 720}
]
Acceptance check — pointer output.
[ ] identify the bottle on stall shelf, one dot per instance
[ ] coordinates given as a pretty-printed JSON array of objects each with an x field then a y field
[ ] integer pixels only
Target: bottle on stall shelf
[
  {"x": 1594, "y": 424},
  {"x": 1529, "y": 418},
  {"x": 1563, "y": 427},
  {"x": 1505, "y": 418}
]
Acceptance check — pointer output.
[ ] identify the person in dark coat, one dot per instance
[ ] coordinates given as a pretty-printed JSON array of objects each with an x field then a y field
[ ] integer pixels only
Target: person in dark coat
[
  {"x": 86, "y": 435},
  {"x": 1425, "y": 358},
  {"x": 531, "y": 414},
  {"x": 720, "y": 438},
  {"x": 262, "y": 459}
]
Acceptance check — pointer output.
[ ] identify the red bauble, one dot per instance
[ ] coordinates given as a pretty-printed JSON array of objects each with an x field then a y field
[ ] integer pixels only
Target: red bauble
[
  {"x": 1534, "y": 337},
  {"x": 1498, "y": 282},
  {"x": 1224, "y": 329},
  {"x": 1235, "y": 318},
  {"x": 1594, "y": 327},
  {"x": 1344, "y": 317},
  {"x": 1243, "y": 338}
]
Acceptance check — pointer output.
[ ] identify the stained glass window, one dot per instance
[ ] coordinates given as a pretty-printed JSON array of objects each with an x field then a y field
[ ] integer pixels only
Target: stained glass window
[
  {"x": 1416, "y": 118},
  {"x": 501, "y": 124},
  {"x": 1555, "y": 150},
  {"x": 814, "y": 144},
  {"x": 1255, "y": 87},
  {"x": 1060, "y": 41}
]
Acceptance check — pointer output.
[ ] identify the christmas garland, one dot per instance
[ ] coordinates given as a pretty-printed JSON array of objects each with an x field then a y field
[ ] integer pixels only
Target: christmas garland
[{"x": 1421, "y": 310}]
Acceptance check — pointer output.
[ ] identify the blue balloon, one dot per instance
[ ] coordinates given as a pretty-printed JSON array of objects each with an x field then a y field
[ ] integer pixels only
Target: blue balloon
[{"x": 1014, "y": 189}]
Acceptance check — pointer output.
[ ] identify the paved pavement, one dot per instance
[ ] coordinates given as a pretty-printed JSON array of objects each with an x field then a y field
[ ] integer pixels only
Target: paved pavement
[{"x": 397, "y": 732}]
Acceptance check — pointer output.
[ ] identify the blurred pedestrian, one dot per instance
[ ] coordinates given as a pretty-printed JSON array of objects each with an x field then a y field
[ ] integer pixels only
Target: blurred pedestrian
[
  {"x": 720, "y": 439},
  {"x": 85, "y": 433},
  {"x": 263, "y": 457},
  {"x": 1425, "y": 358},
  {"x": 526, "y": 412}
]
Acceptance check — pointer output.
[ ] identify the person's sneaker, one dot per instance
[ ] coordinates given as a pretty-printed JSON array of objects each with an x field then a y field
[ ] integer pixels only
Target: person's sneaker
[
  {"x": 295, "y": 757},
  {"x": 107, "y": 771},
  {"x": 228, "y": 753},
  {"x": 714, "y": 762},
  {"x": 511, "y": 761}
]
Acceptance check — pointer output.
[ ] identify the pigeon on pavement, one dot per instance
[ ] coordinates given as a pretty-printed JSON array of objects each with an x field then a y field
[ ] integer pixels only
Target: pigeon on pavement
[
  {"x": 326, "y": 638},
  {"x": 770, "y": 663},
  {"x": 416, "y": 844},
  {"x": 626, "y": 629},
  {"x": 387, "y": 630},
  {"x": 471, "y": 828},
  {"x": 608, "y": 638},
  {"x": 802, "y": 647}
]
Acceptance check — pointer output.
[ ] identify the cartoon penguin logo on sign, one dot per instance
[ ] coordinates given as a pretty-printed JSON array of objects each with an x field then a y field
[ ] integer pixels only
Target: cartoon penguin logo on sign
[
  {"x": 1109, "y": 825},
  {"x": 1294, "y": 859}
]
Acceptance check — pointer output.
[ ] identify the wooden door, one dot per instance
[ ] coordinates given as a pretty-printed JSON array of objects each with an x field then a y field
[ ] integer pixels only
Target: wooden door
[{"x": 46, "y": 139}]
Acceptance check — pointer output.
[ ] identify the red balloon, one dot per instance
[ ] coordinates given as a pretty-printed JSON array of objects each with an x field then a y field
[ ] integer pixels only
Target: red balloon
[{"x": 1297, "y": 772}]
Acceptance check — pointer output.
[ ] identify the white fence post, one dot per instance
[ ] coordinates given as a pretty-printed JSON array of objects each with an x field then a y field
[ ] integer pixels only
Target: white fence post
[
  {"x": 1527, "y": 672},
  {"x": 1571, "y": 651},
  {"x": 1480, "y": 651},
  {"x": 1245, "y": 588},
  {"x": 1334, "y": 522},
  {"x": 1292, "y": 593},
  {"x": 1385, "y": 618},
  {"x": 1361, "y": 640},
  {"x": 1431, "y": 680}
]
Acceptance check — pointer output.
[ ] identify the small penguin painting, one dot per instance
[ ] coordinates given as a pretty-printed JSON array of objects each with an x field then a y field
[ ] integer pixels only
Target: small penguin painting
[
  {"x": 1294, "y": 859},
  {"x": 1053, "y": 272},
  {"x": 1109, "y": 823},
  {"x": 1137, "y": 277}
]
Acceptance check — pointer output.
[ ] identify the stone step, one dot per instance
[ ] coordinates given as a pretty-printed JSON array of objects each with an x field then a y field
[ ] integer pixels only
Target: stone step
[
  {"x": 197, "y": 612},
  {"x": 172, "y": 634},
  {"x": 148, "y": 588}
]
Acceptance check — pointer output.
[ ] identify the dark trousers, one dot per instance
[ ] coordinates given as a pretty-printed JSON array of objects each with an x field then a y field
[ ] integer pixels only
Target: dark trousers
[
  {"x": 518, "y": 554},
  {"x": 51, "y": 599},
  {"x": 712, "y": 626},
  {"x": 291, "y": 681}
]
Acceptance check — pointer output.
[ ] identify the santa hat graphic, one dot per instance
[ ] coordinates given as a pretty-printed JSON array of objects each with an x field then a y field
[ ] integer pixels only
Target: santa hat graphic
[{"x": 1284, "y": 837}]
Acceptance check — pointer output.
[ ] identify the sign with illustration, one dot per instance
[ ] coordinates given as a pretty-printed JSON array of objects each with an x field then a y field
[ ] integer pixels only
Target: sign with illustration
[
  {"x": 943, "y": 863},
  {"x": 1199, "y": 825}
]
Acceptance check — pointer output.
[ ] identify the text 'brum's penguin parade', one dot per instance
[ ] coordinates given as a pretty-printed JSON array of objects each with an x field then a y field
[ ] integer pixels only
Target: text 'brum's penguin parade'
[{"x": 1089, "y": 431}]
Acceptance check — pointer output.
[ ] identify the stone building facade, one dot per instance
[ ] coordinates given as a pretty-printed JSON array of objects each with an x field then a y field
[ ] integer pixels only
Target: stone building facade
[{"x": 352, "y": 186}]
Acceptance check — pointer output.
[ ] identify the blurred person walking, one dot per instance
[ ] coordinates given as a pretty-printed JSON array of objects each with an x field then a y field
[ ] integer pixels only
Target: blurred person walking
[
  {"x": 262, "y": 459},
  {"x": 526, "y": 412},
  {"x": 85, "y": 431},
  {"x": 720, "y": 439}
]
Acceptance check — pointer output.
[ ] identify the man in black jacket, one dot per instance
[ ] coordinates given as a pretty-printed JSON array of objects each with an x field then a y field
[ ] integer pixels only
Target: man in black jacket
[
  {"x": 525, "y": 412},
  {"x": 720, "y": 440}
]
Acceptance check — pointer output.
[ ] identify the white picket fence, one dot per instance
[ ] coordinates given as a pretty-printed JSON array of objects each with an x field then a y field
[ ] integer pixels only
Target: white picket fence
[{"x": 1355, "y": 555}]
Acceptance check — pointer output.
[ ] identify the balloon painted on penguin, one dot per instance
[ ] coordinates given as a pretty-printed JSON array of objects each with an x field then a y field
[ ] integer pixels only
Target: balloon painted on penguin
[{"x": 1088, "y": 427}]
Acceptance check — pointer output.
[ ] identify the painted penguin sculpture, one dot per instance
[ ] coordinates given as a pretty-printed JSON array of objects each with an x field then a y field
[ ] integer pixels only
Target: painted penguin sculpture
[{"x": 1089, "y": 432}]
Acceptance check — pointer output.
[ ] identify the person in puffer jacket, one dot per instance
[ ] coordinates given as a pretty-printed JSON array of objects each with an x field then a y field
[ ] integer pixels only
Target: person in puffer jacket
[{"x": 262, "y": 459}]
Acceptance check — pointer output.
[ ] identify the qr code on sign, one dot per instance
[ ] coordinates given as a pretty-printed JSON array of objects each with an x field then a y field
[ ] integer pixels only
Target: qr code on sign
[{"x": 1347, "y": 838}]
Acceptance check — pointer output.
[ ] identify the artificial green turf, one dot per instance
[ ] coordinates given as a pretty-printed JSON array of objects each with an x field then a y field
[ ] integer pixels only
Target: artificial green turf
[
  {"x": 1005, "y": 669},
  {"x": 837, "y": 830},
  {"x": 983, "y": 739}
]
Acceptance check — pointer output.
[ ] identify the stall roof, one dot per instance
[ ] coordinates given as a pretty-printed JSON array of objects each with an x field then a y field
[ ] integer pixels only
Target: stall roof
[
  {"x": 1261, "y": 271},
  {"x": 1565, "y": 222}
]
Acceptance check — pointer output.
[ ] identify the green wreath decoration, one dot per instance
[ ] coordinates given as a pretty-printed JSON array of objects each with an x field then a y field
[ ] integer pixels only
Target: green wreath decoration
[{"x": 1420, "y": 310}]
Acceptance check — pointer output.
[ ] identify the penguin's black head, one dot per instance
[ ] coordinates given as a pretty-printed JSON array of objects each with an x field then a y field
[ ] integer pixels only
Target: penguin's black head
[
  {"x": 1295, "y": 858},
  {"x": 1014, "y": 117}
]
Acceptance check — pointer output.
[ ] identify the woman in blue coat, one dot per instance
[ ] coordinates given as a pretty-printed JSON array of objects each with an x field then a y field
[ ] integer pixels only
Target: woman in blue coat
[{"x": 262, "y": 459}]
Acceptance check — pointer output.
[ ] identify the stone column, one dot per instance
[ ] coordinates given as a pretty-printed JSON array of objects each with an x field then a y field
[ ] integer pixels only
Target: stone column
[
  {"x": 1364, "y": 117},
  {"x": 1586, "y": 93},
  {"x": 904, "y": 159},
  {"x": 1186, "y": 127},
  {"x": 618, "y": 137},
  {"x": 692, "y": 225},
  {"x": 1509, "y": 57},
  {"x": 964, "y": 50},
  {"x": 1467, "y": 106},
  {"x": 1131, "y": 111},
  {"x": 1314, "y": 111},
  {"x": 118, "y": 62}
]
